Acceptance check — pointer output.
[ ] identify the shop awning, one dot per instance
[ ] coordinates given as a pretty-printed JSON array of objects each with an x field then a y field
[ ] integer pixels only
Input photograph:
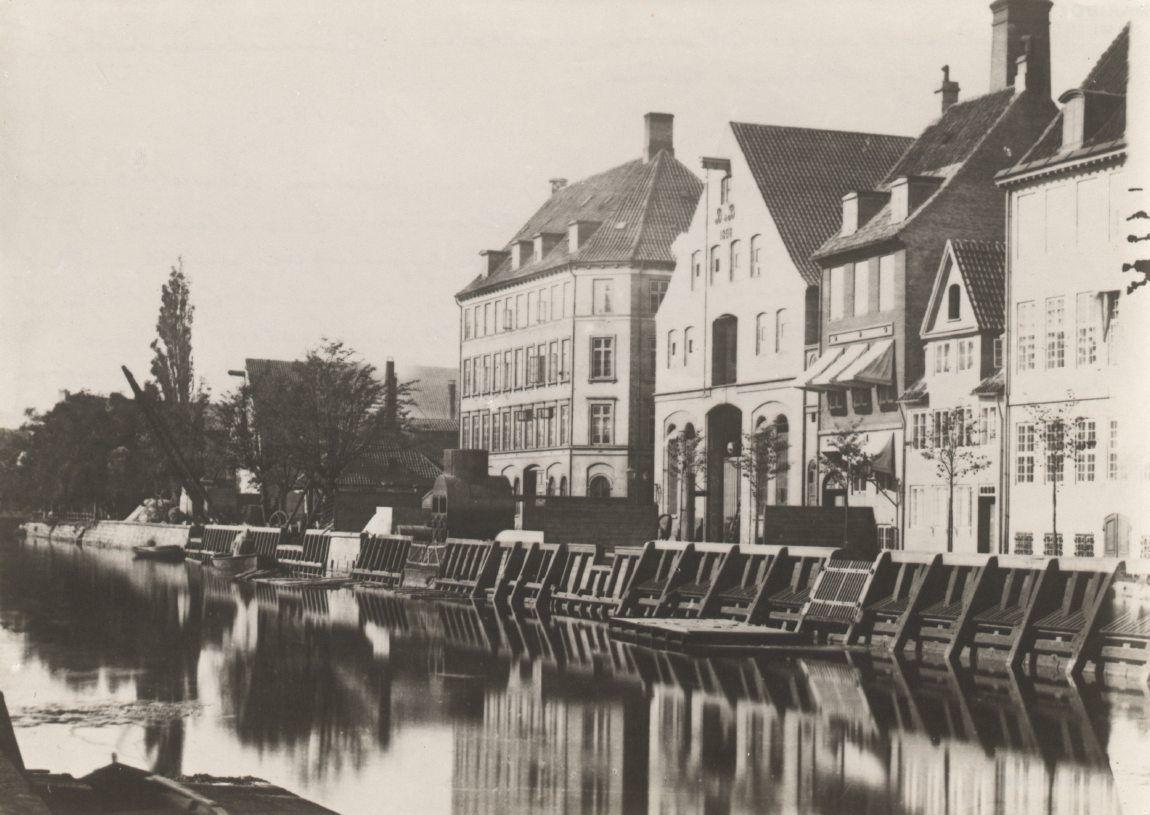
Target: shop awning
[
  {"x": 819, "y": 366},
  {"x": 916, "y": 393},
  {"x": 879, "y": 448},
  {"x": 874, "y": 367},
  {"x": 825, "y": 379}
]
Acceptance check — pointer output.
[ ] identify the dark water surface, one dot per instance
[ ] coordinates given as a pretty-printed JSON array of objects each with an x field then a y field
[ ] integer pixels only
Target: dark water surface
[{"x": 374, "y": 704}]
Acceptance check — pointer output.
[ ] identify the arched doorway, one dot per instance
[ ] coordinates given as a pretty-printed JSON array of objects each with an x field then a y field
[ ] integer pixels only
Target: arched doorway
[
  {"x": 531, "y": 480},
  {"x": 724, "y": 446},
  {"x": 834, "y": 491},
  {"x": 599, "y": 487}
]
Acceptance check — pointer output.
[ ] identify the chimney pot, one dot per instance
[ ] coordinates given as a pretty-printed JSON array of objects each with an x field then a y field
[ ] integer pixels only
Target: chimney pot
[
  {"x": 659, "y": 129},
  {"x": 557, "y": 184},
  {"x": 949, "y": 90}
]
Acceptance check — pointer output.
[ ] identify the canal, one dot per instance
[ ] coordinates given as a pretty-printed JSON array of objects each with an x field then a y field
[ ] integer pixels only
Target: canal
[{"x": 369, "y": 703}]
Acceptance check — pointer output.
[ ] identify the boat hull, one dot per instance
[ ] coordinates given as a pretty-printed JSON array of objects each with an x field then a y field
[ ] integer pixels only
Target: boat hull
[{"x": 163, "y": 554}]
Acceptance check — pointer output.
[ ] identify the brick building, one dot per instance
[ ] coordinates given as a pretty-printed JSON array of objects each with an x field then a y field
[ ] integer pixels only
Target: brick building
[
  {"x": 878, "y": 271},
  {"x": 742, "y": 309},
  {"x": 1068, "y": 201},
  {"x": 557, "y": 340}
]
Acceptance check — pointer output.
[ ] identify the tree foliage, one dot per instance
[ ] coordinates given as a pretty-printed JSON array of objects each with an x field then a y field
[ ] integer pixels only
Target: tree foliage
[
  {"x": 172, "y": 366},
  {"x": 686, "y": 462},
  {"x": 763, "y": 460},
  {"x": 951, "y": 449}
]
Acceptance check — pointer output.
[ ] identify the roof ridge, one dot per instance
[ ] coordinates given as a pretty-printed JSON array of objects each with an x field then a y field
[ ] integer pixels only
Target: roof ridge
[{"x": 828, "y": 130}]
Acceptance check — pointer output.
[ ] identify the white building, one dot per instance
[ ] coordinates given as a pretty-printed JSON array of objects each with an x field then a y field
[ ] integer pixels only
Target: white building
[
  {"x": 557, "y": 343},
  {"x": 1068, "y": 200},
  {"x": 742, "y": 310},
  {"x": 954, "y": 412}
]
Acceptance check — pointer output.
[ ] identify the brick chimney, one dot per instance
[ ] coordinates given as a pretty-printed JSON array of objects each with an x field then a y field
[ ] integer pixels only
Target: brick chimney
[
  {"x": 390, "y": 396},
  {"x": 659, "y": 129},
  {"x": 1020, "y": 28},
  {"x": 949, "y": 89},
  {"x": 452, "y": 407}
]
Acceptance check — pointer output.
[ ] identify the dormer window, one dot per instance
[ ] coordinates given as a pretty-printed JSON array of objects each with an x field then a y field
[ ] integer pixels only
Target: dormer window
[
  {"x": 953, "y": 301},
  {"x": 1073, "y": 120}
]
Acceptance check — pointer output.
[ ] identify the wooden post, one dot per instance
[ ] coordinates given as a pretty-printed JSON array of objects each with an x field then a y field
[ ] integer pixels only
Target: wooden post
[
  {"x": 759, "y": 610},
  {"x": 976, "y": 597},
  {"x": 630, "y": 597},
  {"x": 1038, "y": 604},
  {"x": 1083, "y": 641},
  {"x": 915, "y": 602}
]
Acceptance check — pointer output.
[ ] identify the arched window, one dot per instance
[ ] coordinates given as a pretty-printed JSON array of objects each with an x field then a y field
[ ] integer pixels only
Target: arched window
[
  {"x": 563, "y": 485},
  {"x": 953, "y": 301},
  {"x": 783, "y": 453},
  {"x": 736, "y": 259},
  {"x": 688, "y": 343},
  {"x": 599, "y": 487},
  {"x": 672, "y": 347},
  {"x": 550, "y": 485},
  {"x": 515, "y": 486},
  {"x": 724, "y": 350},
  {"x": 760, "y": 334},
  {"x": 812, "y": 484},
  {"x": 696, "y": 268},
  {"x": 756, "y": 256},
  {"x": 780, "y": 330},
  {"x": 715, "y": 263}
]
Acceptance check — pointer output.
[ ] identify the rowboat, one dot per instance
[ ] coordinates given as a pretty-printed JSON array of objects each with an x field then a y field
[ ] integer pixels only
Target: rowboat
[
  {"x": 165, "y": 554},
  {"x": 238, "y": 564}
]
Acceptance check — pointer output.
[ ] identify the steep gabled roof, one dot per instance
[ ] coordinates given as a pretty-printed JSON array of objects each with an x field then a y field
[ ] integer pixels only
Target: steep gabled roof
[
  {"x": 941, "y": 151},
  {"x": 1108, "y": 76},
  {"x": 802, "y": 175},
  {"x": 641, "y": 206},
  {"x": 982, "y": 267}
]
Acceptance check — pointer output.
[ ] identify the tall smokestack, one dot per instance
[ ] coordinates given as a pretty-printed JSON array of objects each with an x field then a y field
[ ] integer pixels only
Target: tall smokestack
[{"x": 390, "y": 396}]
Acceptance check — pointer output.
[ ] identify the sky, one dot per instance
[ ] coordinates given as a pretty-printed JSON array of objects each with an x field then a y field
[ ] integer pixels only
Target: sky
[{"x": 332, "y": 169}]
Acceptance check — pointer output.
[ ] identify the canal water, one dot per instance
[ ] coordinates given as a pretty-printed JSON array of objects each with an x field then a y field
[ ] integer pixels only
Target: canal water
[{"x": 367, "y": 703}]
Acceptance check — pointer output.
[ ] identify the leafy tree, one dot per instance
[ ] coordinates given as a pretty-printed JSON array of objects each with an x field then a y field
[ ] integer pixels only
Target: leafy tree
[
  {"x": 763, "y": 459},
  {"x": 849, "y": 462},
  {"x": 1141, "y": 267},
  {"x": 686, "y": 461},
  {"x": 1059, "y": 437},
  {"x": 172, "y": 349},
  {"x": 950, "y": 448}
]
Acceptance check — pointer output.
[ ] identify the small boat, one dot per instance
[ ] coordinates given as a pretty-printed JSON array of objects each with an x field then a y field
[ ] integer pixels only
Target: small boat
[
  {"x": 238, "y": 564},
  {"x": 165, "y": 554}
]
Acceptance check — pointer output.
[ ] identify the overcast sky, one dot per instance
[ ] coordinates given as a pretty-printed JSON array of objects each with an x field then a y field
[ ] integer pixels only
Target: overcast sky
[{"x": 332, "y": 168}]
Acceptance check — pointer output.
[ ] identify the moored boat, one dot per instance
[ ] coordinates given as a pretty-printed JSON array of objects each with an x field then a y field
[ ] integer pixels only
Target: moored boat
[
  {"x": 165, "y": 554},
  {"x": 238, "y": 564}
]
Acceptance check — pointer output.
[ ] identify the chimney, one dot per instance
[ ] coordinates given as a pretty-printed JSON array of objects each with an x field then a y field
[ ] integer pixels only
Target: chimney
[
  {"x": 521, "y": 253},
  {"x": 545, "y": 242},
  {"x": 1020, "y": 28},
  {"x": 557, "y": 184},
  {"x": 452, "y": 407},
  {"x": 660, "y": 133},
  {"x": 949, "y": 90},
  {"x": 859, "y": 207},
  {"x": 390, "y": 396},
  {"x": 490, "y": 260},
  {"x": 578, "y": 233}
]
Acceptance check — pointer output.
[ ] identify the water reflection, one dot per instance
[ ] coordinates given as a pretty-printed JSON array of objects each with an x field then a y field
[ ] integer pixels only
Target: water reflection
[{"x": 537, "y": 714}]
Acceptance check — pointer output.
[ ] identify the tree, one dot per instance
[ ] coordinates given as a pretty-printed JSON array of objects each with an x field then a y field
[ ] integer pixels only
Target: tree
[
  {"x": 762, "y": 460},
  {"x": 949, "y": 446},
  {"x": 172, "y": 349},
  {"x": 686, "y": 460},
  {"x": 848, "y": 460},
  {"x": 1059, "y": 436},
  {"x": 1140, "y": 267}
]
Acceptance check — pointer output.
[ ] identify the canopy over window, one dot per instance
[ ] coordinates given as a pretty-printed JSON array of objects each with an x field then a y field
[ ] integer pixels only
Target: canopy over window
[
  {"x": 880, "y": 448},
  {"x": 875, "y": 366},
  {"x": 819, "y": 367},
  {"x": 824, "y": 379}
]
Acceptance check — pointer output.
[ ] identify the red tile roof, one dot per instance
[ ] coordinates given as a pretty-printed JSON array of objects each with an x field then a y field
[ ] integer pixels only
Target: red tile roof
[
  {"x": 983, "y": 267},
  {"x": 641, "y": 206},
  {"x": 802, "y": 175},
  {"x": 941, "y": 150},
  {"x": 1108, "y": 76}
]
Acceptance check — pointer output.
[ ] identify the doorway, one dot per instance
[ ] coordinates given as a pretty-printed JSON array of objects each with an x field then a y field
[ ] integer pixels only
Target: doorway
[
  {"x": 530, "y": 480},
  {"x": 724, "y": 440},
  {"x": 834, "y": 493},
  {"x": 986, "y": 523}
]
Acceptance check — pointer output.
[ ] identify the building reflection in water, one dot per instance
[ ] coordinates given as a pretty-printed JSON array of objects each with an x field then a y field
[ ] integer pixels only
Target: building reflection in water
[{"x": 551, "y": 715}]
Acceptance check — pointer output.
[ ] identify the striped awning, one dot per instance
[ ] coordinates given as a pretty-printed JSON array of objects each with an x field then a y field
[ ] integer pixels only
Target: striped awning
[
  {"x": 821, "y": 375},
  {"x": 875, "y": 366}
]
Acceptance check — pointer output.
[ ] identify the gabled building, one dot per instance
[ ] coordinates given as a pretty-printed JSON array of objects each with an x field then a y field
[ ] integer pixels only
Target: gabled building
[
  {"x": 954, "y": 411},
  {"x": 1068, "y": 200},
  {"x": 879, "y": 270},
  {"x": 557, "y": 340},
  {"x": 742, "y": 310}
]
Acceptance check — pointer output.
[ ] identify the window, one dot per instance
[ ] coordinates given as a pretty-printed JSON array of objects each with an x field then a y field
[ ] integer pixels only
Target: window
[
  {"x": 725, "y": 190},
  {"x": 657, "y": 291},
  {"x": 520, "y": 311},
  {"x": 756, "y": 256},
  {"x": 1054, "y": 438},
  {"x": 838, "y": 291},
  {"x": 672, "y": 347},
  {"x": 953, "y": 301},
  {"x": 942, "y": 358},
  {"x": 1024, "y": 448},
  {"x": 518, "y": 424},
  {"x": 509, "y": 314},
  {"x": 996, "y": 353},
  {"x": 565, "y": 361},
  {"x": 541, "y": 307},
  {"x": 837, "y": 402},
  {"x": 714, "y": 264},
  {"x": 965, "y": 355},
  {"x": 1023, "y": 543},
  {"x": 465, "y": 436},
  {"x": 602, "y": 423},
  {"x": 565, "y": 423},
  {"x": 1055, "y": 332},
  {"x": 1084, "y": 546},
  {"x": 602, "y": 357},
  {"x": 761, "y": 339},
  {"x": 599, "y": 487},
  {"x": 862, "y": 288},
  {"x": 886, "y": 283},
  {"x": 988, "y": 426},
  {"x": 1087, "y": 321},
  {"x": 1026, "y": 336},
  {"x": 562, "y": 485},
  {"x": 1084, "y": 443},
  {"x": 507, "y": 430},
  {"x": 919, "y": 437},
  {"x": 556, "y": 302},
  {"x": 486, "y": 374},
  {"x": 489, "y": 318},
  {"x": 520, "y": 379},
  {"x": 553, "y": 362},
  {"x": 688, "y": 343},
  {"x": 724, "y": 345},
  {"x": 466, "y": 323},
  {"x": 696, "y": 268},
  {"x": 498, "y": 373},
  {"x": 508, "y": 371},
  {"x": 736, "y": 259},
  {"x": 780, "y": 330},
  {"x": 601, "y": 300},
  {"x": 887, "y": 397},
  {"x": 1052, "y": 545},
  {"x": 860, "y": 398},
  {"x": 541, "y": 364},
  {"x": 568, "y": 303},
  {"x": 532, "y": 309},
  {"x": 466, "y": 377},
  {"x": 1112, "y": 470},
  {"x": 532, "y": 367}
]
